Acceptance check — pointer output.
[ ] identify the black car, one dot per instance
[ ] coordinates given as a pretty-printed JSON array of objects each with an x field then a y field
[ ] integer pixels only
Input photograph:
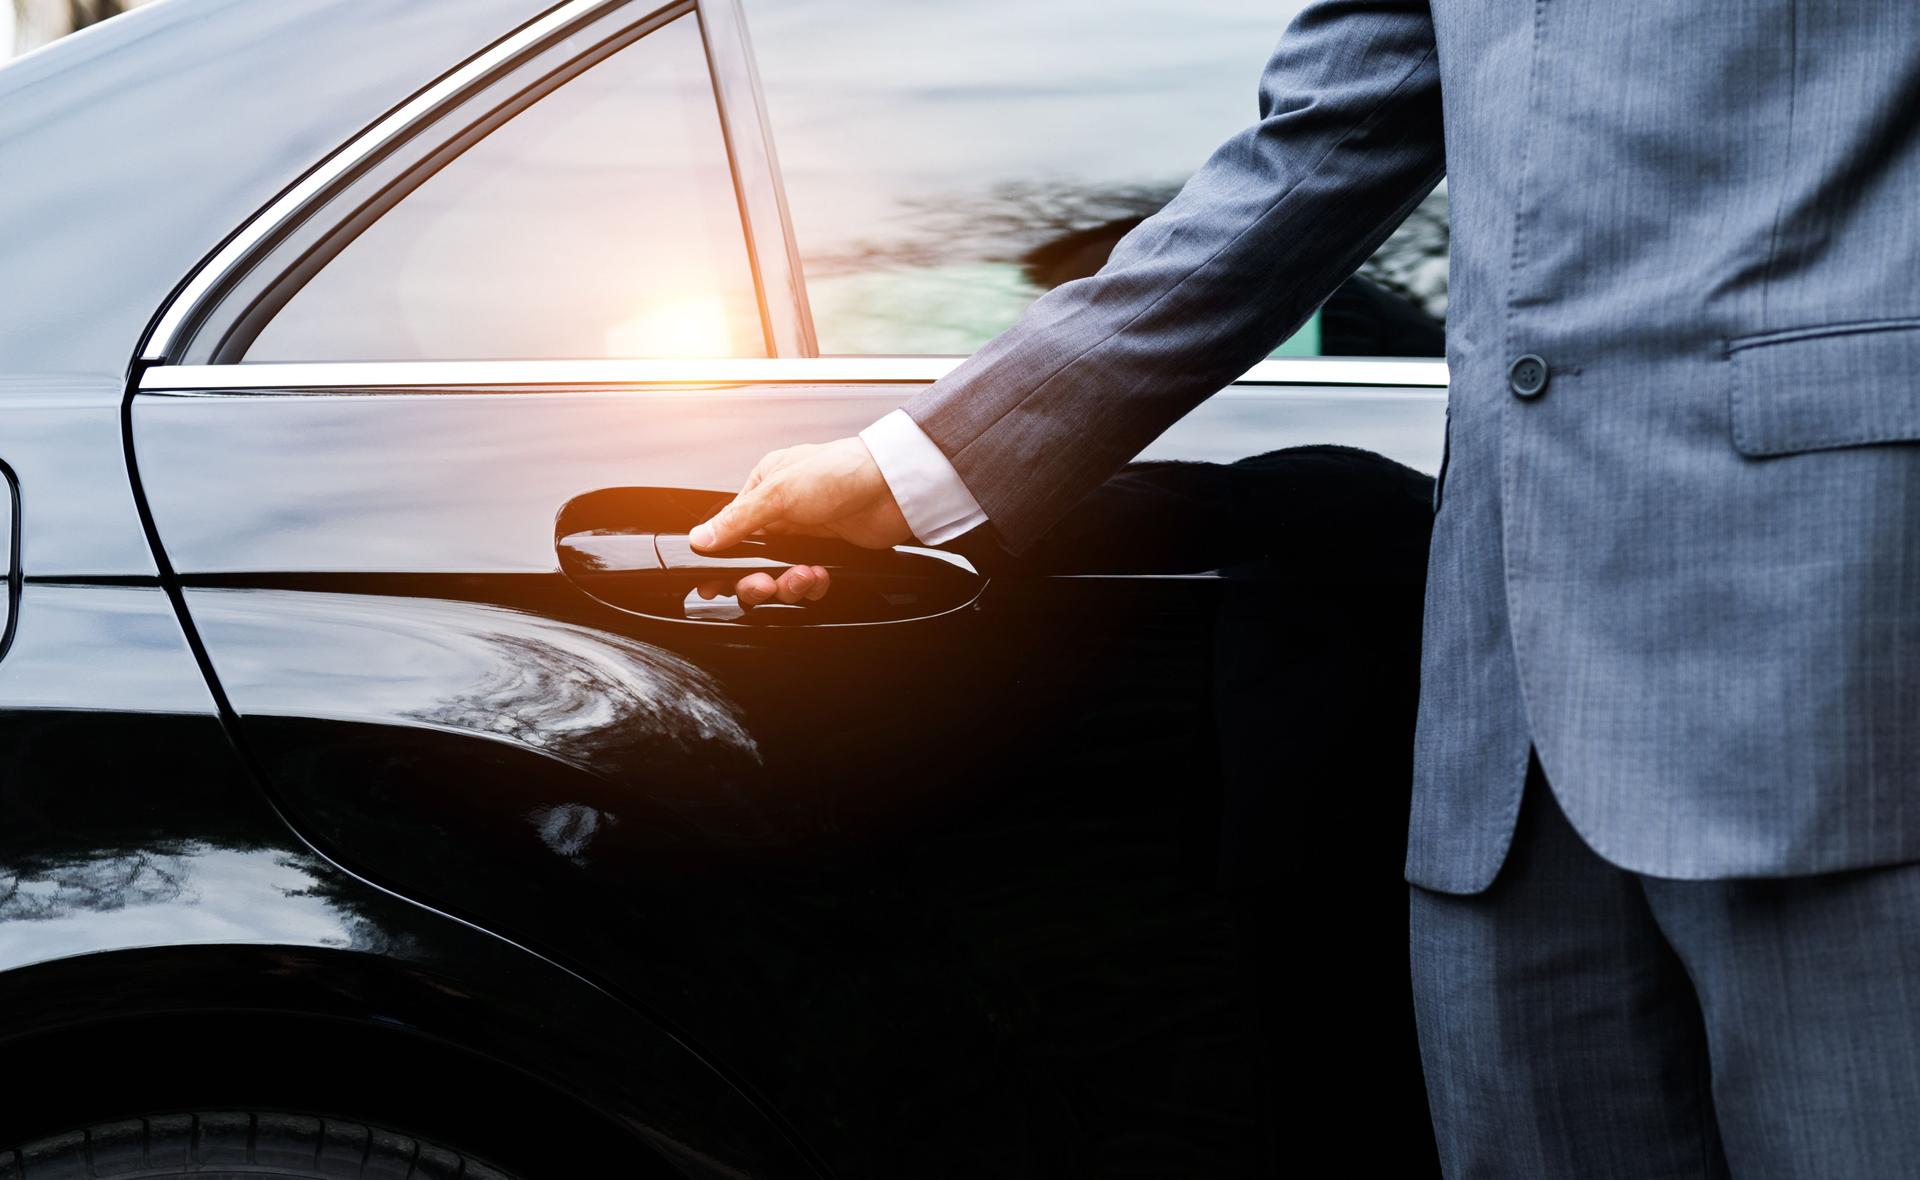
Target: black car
[{"x": 376, "y": 798}]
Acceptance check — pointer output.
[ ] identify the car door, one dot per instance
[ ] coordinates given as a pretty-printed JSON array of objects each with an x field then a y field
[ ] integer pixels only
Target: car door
[{"x": 941, "y": 869}]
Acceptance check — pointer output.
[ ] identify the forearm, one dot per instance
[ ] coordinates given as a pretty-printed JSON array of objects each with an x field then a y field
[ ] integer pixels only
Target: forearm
[{"x": 1348, "y": 142}]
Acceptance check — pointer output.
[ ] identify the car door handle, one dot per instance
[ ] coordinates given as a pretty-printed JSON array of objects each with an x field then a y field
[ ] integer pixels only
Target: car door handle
[{"x": 653, "y": 574}]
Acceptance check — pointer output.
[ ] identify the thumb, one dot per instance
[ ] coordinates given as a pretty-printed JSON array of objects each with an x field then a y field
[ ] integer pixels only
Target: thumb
[{"x": 747, "y": 514}]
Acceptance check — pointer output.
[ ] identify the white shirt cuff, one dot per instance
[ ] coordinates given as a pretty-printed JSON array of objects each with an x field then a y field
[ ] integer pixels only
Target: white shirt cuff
[{"x": 937, "y": 505}]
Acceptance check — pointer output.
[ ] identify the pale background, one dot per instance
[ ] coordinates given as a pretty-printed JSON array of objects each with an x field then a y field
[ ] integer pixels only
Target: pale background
[{"x": 29, "y": 24}]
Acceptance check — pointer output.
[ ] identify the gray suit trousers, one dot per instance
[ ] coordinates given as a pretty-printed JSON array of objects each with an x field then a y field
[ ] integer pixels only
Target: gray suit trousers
[{"x": 1577, "y": 1019}]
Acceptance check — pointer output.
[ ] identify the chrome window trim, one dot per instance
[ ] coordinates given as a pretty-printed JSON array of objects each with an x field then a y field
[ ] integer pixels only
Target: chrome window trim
[
  {"x": 772, "y": 250},
  {"x": 419, "y": 109},
  {"x": 833, "y": 370}
]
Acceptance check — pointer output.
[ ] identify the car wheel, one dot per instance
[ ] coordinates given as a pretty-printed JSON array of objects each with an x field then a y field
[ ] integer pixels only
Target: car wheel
[{"x": 238, "y": 1145}]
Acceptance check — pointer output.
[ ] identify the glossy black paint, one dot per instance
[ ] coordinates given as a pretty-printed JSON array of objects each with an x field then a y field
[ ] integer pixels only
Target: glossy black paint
[
  {"x": 149, "y": 897},
  {"x": 974, "y": 929},
  {"x": 77, "y": 517}
]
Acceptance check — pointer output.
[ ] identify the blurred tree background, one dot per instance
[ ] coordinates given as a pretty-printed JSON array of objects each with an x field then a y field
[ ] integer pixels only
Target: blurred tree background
[{"x": 29, "y": 24}]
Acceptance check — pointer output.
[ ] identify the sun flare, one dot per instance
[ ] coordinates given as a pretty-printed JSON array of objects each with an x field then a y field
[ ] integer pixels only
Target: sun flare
[{"x": 680, "y": 326}]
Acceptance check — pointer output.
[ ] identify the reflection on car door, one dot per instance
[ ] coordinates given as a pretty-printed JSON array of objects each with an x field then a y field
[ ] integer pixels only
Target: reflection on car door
[{"x": 934, "y": 869}]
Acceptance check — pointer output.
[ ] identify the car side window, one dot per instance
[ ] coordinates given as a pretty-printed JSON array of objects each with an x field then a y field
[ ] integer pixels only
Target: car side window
[
  {"x": 947, "y": 164},
  {"x": 600, "y": 222}
]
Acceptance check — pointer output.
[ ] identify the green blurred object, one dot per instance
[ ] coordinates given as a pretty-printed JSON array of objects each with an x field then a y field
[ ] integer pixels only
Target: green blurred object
[
  {"x": 942, "y": 310},
  {"x": 949, "y": 309},
  {"x": 1305, "y": 342}
]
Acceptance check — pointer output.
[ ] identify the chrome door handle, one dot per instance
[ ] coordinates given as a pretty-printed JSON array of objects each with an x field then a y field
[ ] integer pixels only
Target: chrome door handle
[{"x": 653, "y": 573}]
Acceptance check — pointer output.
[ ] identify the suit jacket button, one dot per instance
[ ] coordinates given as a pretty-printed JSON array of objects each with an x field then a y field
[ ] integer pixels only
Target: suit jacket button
[{"x": 1527, "y": 376}]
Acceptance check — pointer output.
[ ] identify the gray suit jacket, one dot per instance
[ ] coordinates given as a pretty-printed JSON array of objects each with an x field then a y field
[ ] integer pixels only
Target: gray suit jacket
[{"x": 1687, "y": 571}]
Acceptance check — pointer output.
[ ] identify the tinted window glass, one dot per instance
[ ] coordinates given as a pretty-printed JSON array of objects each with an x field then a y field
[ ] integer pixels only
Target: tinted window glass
[
  {"x": 601, "y": 222},
  {"x": 946, "y": 162}
]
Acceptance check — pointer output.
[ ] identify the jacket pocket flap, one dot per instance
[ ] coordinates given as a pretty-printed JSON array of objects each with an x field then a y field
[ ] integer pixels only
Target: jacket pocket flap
[{"x": 1820, "y": 388}]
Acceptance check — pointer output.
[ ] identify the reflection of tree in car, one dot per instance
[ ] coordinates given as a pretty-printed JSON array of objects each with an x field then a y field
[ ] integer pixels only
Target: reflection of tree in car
[
  {"x": 36, "y": 22},
  {"x": 964, "y": 268},
  {"x": 157, "y": 850}
]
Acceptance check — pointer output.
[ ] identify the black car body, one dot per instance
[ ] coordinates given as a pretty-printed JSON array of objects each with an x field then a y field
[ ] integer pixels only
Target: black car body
[{"x": 362, "y": 755}]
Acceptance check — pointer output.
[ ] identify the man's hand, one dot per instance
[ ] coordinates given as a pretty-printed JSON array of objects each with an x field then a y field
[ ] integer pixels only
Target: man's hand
[{"x": 831, "y": 490}]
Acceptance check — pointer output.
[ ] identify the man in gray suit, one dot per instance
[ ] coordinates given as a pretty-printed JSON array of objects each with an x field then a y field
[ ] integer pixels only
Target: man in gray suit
[{"x": 1666, "y": 816}]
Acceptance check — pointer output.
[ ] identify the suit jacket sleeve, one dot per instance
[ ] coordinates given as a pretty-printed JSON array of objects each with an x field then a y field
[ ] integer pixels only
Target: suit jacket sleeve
[{"x": 1348, "y": 142}]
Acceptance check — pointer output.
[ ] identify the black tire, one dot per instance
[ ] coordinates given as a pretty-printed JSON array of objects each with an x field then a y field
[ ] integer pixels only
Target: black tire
[{"x": 238, "y": 1145}]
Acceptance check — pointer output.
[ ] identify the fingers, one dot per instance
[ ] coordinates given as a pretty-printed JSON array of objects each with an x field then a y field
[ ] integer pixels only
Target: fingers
[
  {"x": 755, "y": 589},
  {"x": 796, "y": 584},
  {"x": 833, "y": 489},
  {"x": 749, "y": 512}
]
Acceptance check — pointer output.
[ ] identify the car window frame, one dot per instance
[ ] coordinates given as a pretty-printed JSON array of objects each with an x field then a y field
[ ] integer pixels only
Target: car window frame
[
  {"x": 228, "y": 301},
  {"x": 511, "y": 70}
]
